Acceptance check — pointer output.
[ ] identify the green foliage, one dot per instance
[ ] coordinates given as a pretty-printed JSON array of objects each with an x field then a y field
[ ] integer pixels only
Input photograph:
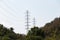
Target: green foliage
[
  {"x": 11, "y": 29},
  {"x": 51, "y": 31},
  {"x": 7, "y": 34},
  {"x": 35, "y": 34},
  {"x": 34, "y": 38},
  {"x": 6, "y": 38}
]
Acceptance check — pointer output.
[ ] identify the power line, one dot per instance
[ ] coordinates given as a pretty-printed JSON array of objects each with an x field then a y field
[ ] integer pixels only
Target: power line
[
  {"x": 10, "y": 15},
  {"x": 10, "y": 9}
]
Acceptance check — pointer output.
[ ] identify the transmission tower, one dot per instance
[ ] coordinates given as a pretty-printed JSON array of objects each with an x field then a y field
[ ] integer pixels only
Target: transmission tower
[
  {"x": 27, "y": 20},
  {"x": 34, "y": 22}
]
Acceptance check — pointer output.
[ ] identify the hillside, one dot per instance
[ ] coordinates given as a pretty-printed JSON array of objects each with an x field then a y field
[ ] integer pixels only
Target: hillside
[
  {"x": 51, "y": 31},
  {"x": 9, "y": 34}
]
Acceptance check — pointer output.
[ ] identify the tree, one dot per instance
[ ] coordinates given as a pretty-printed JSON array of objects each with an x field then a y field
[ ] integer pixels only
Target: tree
[
  {"x": 11, "y": 29},
  {"x": 6, "y": 38}
]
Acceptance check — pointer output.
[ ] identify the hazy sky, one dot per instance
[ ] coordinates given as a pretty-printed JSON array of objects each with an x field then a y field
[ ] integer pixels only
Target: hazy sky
[{"x": 12, "y": 12}]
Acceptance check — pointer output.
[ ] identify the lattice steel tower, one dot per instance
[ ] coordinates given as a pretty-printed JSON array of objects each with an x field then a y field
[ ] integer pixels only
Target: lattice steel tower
[
  {"x": 27, "y": 20},
  {"x": 34, "y": 22}
]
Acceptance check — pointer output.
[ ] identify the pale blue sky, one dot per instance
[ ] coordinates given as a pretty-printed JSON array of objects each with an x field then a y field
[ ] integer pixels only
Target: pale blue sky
[{"x": 12, "y": 12}]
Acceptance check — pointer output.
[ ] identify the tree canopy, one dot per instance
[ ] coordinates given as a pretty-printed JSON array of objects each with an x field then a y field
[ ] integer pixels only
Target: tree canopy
[{"x": 51, "y": 31}]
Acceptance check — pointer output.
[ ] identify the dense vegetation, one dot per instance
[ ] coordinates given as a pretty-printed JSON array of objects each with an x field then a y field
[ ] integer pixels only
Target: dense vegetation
[
  {"x": 9, "y": 34},
  {"x": 51, "y": 31}
]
